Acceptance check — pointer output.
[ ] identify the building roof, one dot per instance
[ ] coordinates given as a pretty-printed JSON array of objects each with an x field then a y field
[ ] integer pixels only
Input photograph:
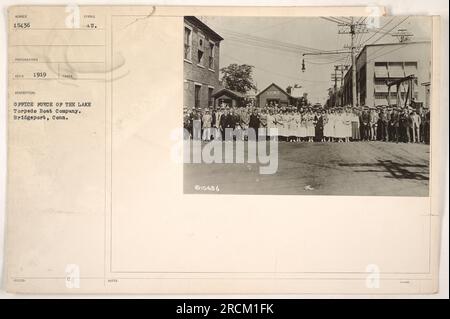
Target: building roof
[
  {"x": 390, "y": 44},
  {"x": 395, "y": 43},
  {"x": 234, "y": 94},
  {"x": 199, "y": 24},
  {"x": 349, "y": 71},
  {"x": 279, "y": 88}
]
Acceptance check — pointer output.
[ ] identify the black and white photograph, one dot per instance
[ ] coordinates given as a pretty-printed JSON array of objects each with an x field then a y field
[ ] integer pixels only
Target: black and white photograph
[
  {"x": 232, "y": 151},
  {"x": 307, "y": 105}
]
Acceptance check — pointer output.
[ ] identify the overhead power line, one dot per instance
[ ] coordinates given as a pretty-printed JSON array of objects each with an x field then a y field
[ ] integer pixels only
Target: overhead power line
[
  {"x": 275, "y": 73},
  {"x": 331, "y": 20},
  {"x": 380, "y": 30},
  {"x": 390, "y": 30},
  {"x": 266, "y": 40}
]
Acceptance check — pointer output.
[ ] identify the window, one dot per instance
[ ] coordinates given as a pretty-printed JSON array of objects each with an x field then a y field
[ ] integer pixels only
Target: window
[
  {"x": 410, "y": 68},
  {"x": 211, "y": 56},
  {"x": 381, "y": 70},
  {"x": 380, "y": 95},
  {"x": 197, "y": 95},
  {"x": 187, "y": 43},
  {"x": 381, "y": 86},
  {"x": 396, "y": 70},
  {"x": 210, "y": 98},
  {"x": 201, "y": 50}
]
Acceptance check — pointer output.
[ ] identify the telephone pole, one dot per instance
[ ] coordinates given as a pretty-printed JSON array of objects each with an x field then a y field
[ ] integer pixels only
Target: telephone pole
[
  {"x": 341, "y": 68},
  {"x": 403, "y": 35},
  {"x": 353, "y": 28},
  {"x": 354, "y": 94},
  {"x": 334, "y": 77}
]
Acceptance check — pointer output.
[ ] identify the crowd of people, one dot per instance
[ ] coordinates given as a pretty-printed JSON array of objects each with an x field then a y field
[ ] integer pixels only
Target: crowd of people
[{"x": 310, "y": 124}]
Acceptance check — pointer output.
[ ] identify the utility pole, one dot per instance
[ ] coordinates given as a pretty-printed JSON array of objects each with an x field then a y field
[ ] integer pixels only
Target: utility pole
[
  {"x": 352, "y": 33},
  {"x": 341, "y": 68},
  {"x": 334, "y": 77},
  {"x": 353, "y": 28},
  {"x": 403, "y": 35}
]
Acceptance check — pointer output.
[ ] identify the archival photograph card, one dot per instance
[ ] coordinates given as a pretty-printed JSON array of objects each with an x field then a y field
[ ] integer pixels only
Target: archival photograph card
[{"x": 246, "y": 150}]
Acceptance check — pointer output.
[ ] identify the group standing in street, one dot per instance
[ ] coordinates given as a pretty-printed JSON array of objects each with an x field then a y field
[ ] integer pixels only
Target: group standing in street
[{"x": 309, "y": 124}]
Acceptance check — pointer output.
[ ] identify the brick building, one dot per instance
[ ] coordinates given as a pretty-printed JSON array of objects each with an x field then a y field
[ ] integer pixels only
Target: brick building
[
  {"x": 378, "y": 64},
  {"x": 201, "y": 63}
]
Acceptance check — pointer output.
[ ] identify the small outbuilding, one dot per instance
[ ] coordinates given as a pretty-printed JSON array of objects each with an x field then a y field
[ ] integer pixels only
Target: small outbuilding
[
  {"x": 228, "y": 97},
  {"x": 273, "y": 94}
]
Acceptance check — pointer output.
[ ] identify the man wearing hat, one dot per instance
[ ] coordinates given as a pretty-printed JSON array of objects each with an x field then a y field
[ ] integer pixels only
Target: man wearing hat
[
  {"x": 388, "y": 111},
  {"x": 384, "y": 125},
  {"x": 196, "y": 119},
  {"x": 235, "y": 121},
  {"x": 206, "y": 125},
  {"x": 422, "y": 114},
  {"x": 427, "y": 133},
  {"x": 395, "y": 120},
  {"x": 244, "y": 119},
  {"x": 373, "y": 120},
  {"x": 409, "y": 126},
  {"x": 403, "y": 125},
  {"x": 254, "y": 124},
  {"x": 416, "y": 121},
  {"x": 187, "y": 122},
  {"x": 365, "y": 123},
  {"x": 215, "y": 124},
  {"x": 226, "y": 123},
  {"x": 263, "y": 123}
]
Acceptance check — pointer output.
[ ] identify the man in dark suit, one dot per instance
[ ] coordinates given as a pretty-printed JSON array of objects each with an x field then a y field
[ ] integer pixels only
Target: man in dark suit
[
  {"x": 395, "y": 125},
  {"x": 427, "y": 135},
  {"x": 409, "y": 126},
  {"x": 254, "y": 124},
  {"x": 226, "y": 124},
  {"x": 196, "y": 118},
  {"x": 403, "y": 126},
  {"x": 365, "y": 123},
  {"x": 236, "y": 120},
  {"x": 384, "y": 125}
]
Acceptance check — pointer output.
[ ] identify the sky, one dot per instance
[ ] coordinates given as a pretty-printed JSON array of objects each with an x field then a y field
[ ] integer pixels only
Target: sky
[{"x": 274, "y": 46}]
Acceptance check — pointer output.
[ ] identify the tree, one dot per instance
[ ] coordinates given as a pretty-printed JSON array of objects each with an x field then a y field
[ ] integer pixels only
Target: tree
[
  {"x": 290, "y": 87},
  {"x": 238, "y": 77}
]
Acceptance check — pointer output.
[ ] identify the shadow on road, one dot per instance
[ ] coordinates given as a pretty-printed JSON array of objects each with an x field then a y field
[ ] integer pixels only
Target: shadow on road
[{"x": 396, "y": 170}]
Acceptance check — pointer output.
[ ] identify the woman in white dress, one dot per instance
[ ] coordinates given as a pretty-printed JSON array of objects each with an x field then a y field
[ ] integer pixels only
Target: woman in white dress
[
  {"x": 327, "y": 126},
  {"x": 355, "y": 125},
  {"x": 303, "y": 125},
  {"x": 339, "y": 127},
  {"x": 332, "y": 125},
  {"x": 285, "y": 127},
  {"x": 298, "y": 122},
  {"x": 291, "y": 126},
  {"x": 347, "y": 125},
  {"x": 310, "y": 129},
  {"x": 262, "y": 131},
  {"x": 279, "y": 122},
  {"x": 270, "y": 123}
]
